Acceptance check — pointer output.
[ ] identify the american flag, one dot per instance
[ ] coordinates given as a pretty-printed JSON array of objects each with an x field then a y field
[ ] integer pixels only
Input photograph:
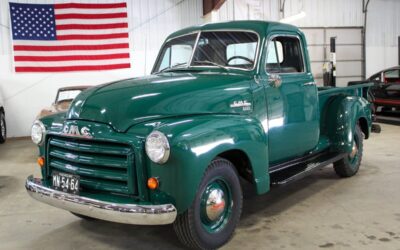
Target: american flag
[{"x": 69, "y": 36}]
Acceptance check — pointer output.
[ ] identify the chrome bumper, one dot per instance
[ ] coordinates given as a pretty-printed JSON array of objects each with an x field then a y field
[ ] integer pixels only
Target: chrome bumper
[{"x": 121, "y": 213}]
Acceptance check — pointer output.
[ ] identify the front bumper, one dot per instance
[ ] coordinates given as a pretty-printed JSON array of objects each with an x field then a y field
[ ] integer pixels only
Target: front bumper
[{"x": 121, "y": 213}]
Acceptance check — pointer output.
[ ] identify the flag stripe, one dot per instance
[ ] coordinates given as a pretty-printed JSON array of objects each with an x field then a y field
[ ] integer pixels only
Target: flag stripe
[
  {"x": 74, "y": 51},
  {"x": 91, "y": 26},
  {"x": 92, "y": 37},
  {"x": 89, "y": 6},
  {"x": 92, "y": 21},
  {"x": 90, "y": 11},
  {"x": 73, "y": 68},
  {"x": 92, "y": 32},
  {"x": 70, "y": 52},
  {"x": 90, "y": 16},
  {"x": 70, "y": 47},
  {"x": 69, "y": 58},
  {"x": 72, "y": 63},
  {"x": 72, "y": 42}
]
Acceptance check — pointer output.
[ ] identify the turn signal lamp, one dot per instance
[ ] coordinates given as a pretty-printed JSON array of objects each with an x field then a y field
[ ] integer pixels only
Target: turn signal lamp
[
  {"x": 152, "y": 183},
  {"x": 40, "y": 161}
]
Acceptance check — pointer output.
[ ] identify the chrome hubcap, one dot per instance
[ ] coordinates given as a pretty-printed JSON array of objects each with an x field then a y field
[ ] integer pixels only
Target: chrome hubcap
[
  {"x": 215, "y": 204},
  {"x": 354, "y": 150}
]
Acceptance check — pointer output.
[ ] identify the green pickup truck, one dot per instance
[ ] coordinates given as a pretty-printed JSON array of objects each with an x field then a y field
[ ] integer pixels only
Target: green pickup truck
[{"x": 225, "y": 103}]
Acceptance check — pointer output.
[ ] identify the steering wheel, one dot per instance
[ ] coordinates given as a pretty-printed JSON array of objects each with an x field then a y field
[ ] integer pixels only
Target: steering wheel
[{"x": 239, "y": 57}]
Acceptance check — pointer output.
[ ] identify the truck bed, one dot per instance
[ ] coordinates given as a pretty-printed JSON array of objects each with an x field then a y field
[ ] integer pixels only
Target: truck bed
[{"x": 326, "y": 93}]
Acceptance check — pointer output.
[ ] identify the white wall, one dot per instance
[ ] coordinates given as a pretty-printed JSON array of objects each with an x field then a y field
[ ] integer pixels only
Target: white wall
[
  {"x": 383, "y": 22},
  {"x": 149, "y": 23},
  {"x": 383, "y": 29}
]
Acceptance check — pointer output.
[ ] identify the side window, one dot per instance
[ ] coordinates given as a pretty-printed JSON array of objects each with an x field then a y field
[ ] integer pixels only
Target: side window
[
  {"x": 274, "y": 56},
  {"x": 284, "y": 55},
  {"x": 376, "y": 77}
]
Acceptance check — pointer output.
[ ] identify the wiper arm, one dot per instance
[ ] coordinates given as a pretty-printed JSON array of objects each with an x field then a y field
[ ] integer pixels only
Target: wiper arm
[
  {"x": 171, "y": 67},
  {"x": 213, "y": 63}
]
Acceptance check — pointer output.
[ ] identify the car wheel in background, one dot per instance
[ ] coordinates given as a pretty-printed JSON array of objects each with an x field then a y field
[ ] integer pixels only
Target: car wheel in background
[{"x": 3, "y": 128}]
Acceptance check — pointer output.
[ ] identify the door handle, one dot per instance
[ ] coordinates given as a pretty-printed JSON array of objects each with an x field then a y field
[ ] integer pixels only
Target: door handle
[
  {"x": 309, "y": 83},
  {"x": 275, "y": 80}
]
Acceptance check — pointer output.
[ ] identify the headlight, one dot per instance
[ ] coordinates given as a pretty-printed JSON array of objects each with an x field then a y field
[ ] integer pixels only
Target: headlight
[
  {"x": 157, "y": 147},
  {"x": 37, "y": 132}
]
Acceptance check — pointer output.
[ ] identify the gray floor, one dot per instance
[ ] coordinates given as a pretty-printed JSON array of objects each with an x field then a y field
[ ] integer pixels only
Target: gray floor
[{"x": 318, "y": 212}]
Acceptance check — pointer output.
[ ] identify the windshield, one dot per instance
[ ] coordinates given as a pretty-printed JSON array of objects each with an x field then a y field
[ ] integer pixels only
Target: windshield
[{"x": 224, "y": 49}]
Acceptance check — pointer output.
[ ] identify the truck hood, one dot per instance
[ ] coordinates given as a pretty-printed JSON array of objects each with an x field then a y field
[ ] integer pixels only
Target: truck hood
[{"x": 125, "y": 103}]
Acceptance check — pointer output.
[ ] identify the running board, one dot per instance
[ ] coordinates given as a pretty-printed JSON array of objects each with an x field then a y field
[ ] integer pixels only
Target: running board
[{"x": 303, "y": 169}]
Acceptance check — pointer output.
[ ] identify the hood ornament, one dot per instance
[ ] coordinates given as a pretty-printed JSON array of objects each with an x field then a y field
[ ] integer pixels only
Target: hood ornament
[{"x": 74, "y": 130}]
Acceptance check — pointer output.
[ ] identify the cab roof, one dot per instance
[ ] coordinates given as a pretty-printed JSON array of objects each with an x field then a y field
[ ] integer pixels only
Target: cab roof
[{"x": 260, "y": 27}]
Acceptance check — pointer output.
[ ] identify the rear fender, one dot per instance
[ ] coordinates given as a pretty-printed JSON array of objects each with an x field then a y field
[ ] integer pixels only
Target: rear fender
[{"x": 342, "y": 116}]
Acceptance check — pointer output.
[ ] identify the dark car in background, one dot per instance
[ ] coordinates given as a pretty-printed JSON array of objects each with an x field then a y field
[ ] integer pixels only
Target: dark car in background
[{"x": 386, "y": 91}]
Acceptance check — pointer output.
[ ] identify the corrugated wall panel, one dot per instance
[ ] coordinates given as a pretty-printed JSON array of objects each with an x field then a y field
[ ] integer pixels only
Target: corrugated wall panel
[
  {"x": 383, "y": 29},
  {"x": 326, "y": 13}
]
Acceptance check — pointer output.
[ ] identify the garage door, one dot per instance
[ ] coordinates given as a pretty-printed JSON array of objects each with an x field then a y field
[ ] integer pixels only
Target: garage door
[{"x": 349, "y": 52}]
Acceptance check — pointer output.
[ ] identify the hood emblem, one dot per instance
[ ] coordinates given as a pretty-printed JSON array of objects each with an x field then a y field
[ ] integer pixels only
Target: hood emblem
[
  {"x": 241, "y": 104},
  {"x": 74, "y": 130}
]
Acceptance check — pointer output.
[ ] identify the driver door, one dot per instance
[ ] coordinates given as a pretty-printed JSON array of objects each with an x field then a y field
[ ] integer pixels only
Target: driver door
[{"x": 292, "y": 100}]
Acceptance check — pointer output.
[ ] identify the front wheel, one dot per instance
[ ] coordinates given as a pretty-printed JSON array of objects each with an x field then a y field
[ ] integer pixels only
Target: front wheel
[
  {"x": 3, "y": 128},
  {"x": 212, "y": 218},
  {"x": 349, "y": 165}
]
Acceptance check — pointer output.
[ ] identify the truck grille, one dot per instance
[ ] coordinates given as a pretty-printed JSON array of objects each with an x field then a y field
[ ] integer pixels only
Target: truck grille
[{"x": 102, "y": 166}]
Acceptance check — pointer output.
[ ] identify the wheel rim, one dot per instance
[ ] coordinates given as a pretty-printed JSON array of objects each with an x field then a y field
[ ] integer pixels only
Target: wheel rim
[
  {"x": 216, "y": 205},
  {"x": 353, "y": 156}
]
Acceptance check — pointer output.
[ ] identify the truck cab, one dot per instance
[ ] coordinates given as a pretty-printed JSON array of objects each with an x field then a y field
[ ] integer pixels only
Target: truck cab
[{"x": 224, "y": 102}]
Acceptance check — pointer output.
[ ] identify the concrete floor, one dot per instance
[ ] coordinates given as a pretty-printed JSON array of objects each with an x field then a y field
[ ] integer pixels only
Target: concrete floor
[{"x": 318, "y": 212}]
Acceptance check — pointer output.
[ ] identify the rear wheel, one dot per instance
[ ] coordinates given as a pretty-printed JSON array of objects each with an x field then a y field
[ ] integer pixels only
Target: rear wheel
[
  {"x": 349, "y": 165},
  {"x": 3, "y": 128},
  {"x": 212, "y": 218}
]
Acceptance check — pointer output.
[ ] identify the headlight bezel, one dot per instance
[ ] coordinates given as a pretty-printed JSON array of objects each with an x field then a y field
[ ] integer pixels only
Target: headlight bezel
[
  {"x": 161, "y": 159},
  {"x": 42, "y": 128}
]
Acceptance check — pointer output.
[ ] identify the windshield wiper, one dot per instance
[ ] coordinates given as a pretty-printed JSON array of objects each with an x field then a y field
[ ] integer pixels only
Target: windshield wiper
[
  {"x": 213, "y": 63},
  {"x": 171, "y": 67}
]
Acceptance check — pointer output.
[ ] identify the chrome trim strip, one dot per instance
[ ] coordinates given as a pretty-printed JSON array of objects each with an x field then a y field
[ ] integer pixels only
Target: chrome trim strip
[
  {"x": 194, "y": 50},
  {"x": 121, "y": 213},
  {"x": 309, "y": 83}
]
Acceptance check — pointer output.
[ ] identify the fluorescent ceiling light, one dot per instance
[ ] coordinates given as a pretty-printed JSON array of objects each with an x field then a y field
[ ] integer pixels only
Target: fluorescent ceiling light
[{"x": 293, "y": 18}]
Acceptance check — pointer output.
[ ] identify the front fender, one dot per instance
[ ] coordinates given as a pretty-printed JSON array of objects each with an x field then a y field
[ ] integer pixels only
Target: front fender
[
  {"x": 341, "y": 117},
  {"x": 195, "y": 141}
]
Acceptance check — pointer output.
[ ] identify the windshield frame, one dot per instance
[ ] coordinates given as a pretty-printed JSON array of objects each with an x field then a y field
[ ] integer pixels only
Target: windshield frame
[{"x": 198, "y": 32}]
